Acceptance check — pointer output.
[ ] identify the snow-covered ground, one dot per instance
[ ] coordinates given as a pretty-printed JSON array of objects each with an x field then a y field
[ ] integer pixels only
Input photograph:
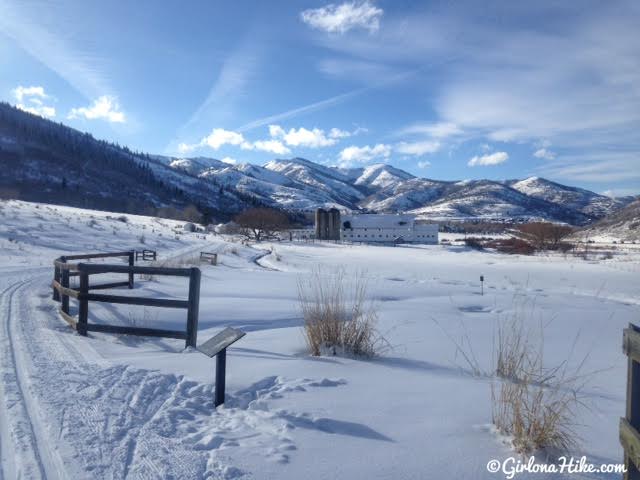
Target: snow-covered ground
[{"x": 111, "y": 406}]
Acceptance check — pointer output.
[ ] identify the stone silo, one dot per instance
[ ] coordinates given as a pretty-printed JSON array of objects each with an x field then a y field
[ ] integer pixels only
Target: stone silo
[{"x": 334, "y": 224}]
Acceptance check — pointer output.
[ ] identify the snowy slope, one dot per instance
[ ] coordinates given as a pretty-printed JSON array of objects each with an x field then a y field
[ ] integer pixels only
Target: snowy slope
[
  {"x": 578, "y": 199},
  {"x": 111, "y": 406},
  {"x": 623, "y": 224},
  {"x": 380, "y": 176}
]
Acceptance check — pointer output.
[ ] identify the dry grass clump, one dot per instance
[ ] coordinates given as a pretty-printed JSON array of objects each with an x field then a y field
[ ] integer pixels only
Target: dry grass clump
[
  {"x": 338, "y": 316},
  {"x": 533, "y": 404}
]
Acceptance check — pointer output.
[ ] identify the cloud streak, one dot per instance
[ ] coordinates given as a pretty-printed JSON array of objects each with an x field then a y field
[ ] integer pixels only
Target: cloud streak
[{"x": 34, "y": 32}]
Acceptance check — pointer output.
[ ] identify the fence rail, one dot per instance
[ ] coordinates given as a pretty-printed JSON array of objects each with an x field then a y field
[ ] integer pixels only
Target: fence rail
[
  {"x": 210, "y": 257},
  {"x": 146, "y": 255},
  {"x": 62, "y": 292},
  {"x": 630, "y": 424}
]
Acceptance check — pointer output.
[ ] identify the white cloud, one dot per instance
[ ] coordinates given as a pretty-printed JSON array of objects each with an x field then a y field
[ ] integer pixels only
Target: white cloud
[
  {"x": 229, "y": 160},
  {"x": 271, "y": 146},
  {"x": 41, "y": 110},
  {"x": 544, "y": 153},
  {"x": 105, "y": 107},
  {"x": 341, "y": 18},
  {"x": 186, "y": 148},
  {"x": 364, "y": 154},
  {"x": 219, "y": 137},
  {"x": 21, "y": 92},
  {"x": 337, "y": 133},
  {"x": 35, "y": 96},
  {"x": 424, "y": 164},
  {"x": 417, "y": 148},
  {"x": 302, "y": 137},
  {"x": 489, "y": 159},
  {"x": 279, "y": 142}
]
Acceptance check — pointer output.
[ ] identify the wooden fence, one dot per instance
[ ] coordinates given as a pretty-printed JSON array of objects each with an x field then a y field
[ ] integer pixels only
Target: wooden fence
[
  {"x": 630, "y": 424},
  {"x": 63, "y": 269},
  {"x": 209, "y": 257},
  {"x": 146, "y": 255}
]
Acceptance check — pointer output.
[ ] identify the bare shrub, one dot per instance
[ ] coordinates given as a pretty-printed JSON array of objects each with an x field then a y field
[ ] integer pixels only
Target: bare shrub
[
  {"x": 544, "y": 235},
  {"x": 474, "y": 243},
  {"x": 532, "y": 403},
  {"x": 261, "y": 223},
  {"x": 338, "y": 316},
  {"x": 512, "y": 246}
]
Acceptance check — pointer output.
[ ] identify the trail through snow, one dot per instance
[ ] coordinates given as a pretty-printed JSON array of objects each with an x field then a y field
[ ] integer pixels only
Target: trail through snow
[{"x": 66, "y": 413}]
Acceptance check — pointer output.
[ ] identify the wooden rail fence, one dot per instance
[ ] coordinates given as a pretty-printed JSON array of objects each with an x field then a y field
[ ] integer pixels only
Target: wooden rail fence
[
  {"x": 146, "y": 255},
  {"x": 209, "y": 257},
  {"x": 630, "y": 424},
  {"x": 63, "y": 269}
]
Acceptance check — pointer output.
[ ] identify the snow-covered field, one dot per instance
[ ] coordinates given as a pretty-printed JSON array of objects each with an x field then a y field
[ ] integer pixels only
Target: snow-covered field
[{"x": 111, "y": 406}]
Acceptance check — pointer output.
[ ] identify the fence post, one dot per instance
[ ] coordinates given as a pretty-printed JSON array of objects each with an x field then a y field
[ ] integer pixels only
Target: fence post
[
  {"x": 633, "y": 406},
  {"x": 194, "y": 307},
  {"x": 83, "y": 303},
  {"x": 221, "y": 368},
  {"x": 132, "y": 257},
  {"x": 56, "y": 278},
  {"x": 65, "y": 283}
]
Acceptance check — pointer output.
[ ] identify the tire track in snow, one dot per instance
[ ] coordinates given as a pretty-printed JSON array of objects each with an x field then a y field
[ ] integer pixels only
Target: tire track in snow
[{"x": 28, "y": 455}]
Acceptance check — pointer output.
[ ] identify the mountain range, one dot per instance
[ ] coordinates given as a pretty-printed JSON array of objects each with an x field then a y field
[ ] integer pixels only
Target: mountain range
[
  {"x": 301, "y": 185},
  {"x": 50, "y": 162}
]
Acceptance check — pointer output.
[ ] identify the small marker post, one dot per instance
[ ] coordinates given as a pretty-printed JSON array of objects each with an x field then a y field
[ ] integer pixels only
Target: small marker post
[
  {"x": 217, "y": 347},
  {"x": 482, "y": 285}
]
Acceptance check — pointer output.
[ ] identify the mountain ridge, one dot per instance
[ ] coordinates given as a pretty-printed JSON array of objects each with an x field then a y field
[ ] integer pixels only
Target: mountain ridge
[{"x": 47, "y": 161}]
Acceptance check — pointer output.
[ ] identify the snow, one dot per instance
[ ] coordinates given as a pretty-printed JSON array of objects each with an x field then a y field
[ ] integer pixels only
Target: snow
[{"x": 112, "y": 406}]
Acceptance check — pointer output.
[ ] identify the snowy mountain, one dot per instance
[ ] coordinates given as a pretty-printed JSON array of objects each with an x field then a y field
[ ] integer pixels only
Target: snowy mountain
[
  {"x": 623, "y": 224},
  {"x": 299, "y": 184},
  {"x": 49, "y": 162},
  {"x": 589, "y": 203}
]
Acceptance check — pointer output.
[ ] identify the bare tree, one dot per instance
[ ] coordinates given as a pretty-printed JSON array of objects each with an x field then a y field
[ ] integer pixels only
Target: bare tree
[
  {"x": 192, "y": 214},
  {"x": 544, "y": 235},
  {"x": 261, "y": 223}
]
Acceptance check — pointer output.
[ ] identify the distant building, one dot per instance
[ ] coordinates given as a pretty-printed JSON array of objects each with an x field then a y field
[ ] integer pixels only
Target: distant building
[
  {"x": 380, "y": 228},
  {"x": 327, "y": 224}
]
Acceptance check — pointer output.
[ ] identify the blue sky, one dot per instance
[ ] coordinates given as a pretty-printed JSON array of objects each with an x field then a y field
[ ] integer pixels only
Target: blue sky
[{"x": 445, "y": 90}]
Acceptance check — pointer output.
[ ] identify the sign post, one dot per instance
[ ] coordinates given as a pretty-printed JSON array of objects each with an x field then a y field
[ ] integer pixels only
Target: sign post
[{"x": 217, "y": 347}]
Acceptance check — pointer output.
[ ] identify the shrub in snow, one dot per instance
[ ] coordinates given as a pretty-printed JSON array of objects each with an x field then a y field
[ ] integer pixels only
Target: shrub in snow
[
  {"x": 512, "y": 246},
  {"x": 473, "y": 243},
  {"x": 338, "y": 316},
  {"x": 534, "y": 404}
]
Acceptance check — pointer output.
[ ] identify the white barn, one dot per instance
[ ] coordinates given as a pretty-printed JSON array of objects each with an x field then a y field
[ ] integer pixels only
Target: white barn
[{"x": 380, "y": 228}]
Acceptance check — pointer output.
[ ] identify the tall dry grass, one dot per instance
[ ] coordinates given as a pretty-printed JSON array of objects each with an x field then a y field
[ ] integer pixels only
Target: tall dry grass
[
  {"x": 533, "y": 403},
  {"x": 339, "y": 317}
]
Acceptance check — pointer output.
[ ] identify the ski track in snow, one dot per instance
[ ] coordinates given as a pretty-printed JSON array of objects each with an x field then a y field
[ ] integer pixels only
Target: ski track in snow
[
  {"x": 29, "y": 456},
  {"x": 65, "y": 415}
]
